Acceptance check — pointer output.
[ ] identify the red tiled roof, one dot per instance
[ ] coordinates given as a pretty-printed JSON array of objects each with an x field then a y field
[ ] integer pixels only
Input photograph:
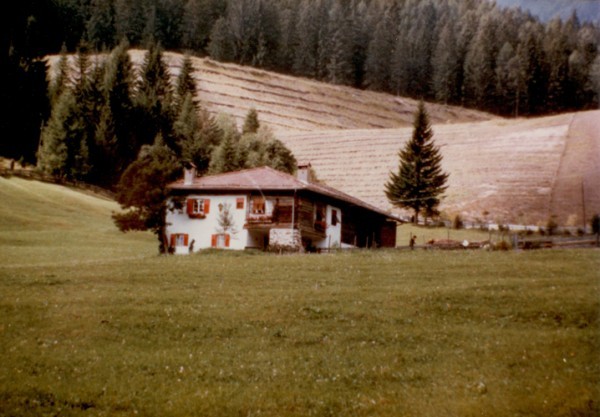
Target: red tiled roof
[{"x": 268, "y": 179}]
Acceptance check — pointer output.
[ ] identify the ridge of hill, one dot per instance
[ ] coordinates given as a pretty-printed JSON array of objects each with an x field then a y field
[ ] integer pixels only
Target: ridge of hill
[
  {"x": 521, "y": 171},
  {"x": 587, "y": 10}
]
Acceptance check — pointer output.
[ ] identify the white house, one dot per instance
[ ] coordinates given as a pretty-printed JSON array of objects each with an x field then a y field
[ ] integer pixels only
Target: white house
[{"x": 262, "y": 207}]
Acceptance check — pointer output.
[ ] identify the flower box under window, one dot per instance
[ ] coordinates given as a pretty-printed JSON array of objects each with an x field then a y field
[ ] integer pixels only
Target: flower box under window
[{"x": 198, "y": 208}]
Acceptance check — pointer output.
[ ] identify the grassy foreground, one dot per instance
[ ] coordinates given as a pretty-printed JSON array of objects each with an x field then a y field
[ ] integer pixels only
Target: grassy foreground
[{"x": 112, "y": 329}]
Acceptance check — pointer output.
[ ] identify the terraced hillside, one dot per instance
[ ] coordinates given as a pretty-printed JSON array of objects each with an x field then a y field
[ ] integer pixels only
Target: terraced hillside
[
  {"x": 288, "y": 103},
  {"x": 518, "y": 171},
  {"x": 501, "y": 170}
]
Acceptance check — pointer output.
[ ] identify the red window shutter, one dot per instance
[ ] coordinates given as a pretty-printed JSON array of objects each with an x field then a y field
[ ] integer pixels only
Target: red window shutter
[
  {"x": 227, "y": 240},
  {"x": 206, "y": 206},
  {"x": 185, "y": 239},
  {"x": 190, "y": 206},
  {"x": 240, "y": 203},
  {"x": 213, "y": 241},
  {"x": 173, "y": 239}
]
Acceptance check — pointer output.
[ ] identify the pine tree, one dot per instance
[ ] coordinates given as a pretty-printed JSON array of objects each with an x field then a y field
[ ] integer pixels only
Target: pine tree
[
  {"x": 64, "y": 151},
  {"x": 154, "y": 99},
  {"x": 507, "y": 78},
  {"x": 62, "y": 79},
  {"x": 446, "y": 66},
  {"x": 480, "y": 64},
  {"x": 420, "y": 180},
  {"x": 251, "y": 123},
  {"x": 339, "y": 68},
  {"x": 186, "y": 84},
  {"x": 221, "y": 46},
  {"x": 100, "y": 26},
  {"x": 226, "y": 154},
  {"x": 196, "y": 135},
  {"x": 118, "y": 86},
  {"x": 377, "y": 65},
  {"x": 557, "y": 52}
]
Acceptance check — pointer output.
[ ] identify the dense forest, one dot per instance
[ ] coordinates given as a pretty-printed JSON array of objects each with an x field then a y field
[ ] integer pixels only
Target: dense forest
[{"x": 464, "y": 52}]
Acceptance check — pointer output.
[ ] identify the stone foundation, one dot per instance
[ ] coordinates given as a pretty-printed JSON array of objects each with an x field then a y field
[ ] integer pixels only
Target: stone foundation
[{"x": 289, "y": 239}]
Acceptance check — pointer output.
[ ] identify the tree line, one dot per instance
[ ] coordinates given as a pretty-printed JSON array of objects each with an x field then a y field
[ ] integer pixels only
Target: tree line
[
  {"x": 464, "y": 52},
  {"x": 103, "y": 113},
  {"x": 130, "y": 131}
]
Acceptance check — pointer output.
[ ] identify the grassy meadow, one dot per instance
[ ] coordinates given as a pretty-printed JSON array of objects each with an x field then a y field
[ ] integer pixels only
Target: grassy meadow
[{"x": 93, "y": 322}]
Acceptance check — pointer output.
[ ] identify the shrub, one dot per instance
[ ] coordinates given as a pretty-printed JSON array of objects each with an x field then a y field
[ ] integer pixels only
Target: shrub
[
  {"x": 457, "y": 223},
  {"x": 551, "y": 226},
  {"x": 595, "y": 223},
  {"x": 502, "y": 245}
]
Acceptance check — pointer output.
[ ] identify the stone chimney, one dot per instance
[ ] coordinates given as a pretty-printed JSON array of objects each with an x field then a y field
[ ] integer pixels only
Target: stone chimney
[
  {"x": 189, "y": 173},
  {"x": 304, "y": 172}
]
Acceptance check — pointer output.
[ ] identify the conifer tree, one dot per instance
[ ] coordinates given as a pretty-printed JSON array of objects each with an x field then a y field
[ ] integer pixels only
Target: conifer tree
[
  {"x": 100, "y": 26},
  {"x": 154, "y": 99},
  {"x": 251, "y": 123},
  {"x": 64, "y": 151},
  {"x": 228, "y": 156},
  {"x": 446, "y": 66},
  {"x": 62, "y": 79},
  {"x": 118, "y": 118},
  {"x": 420, "y": 180},
  {"x": 185, "y": 82},
  {"x": 377, "y": 65},
  {"x": 196, "y": 135}
]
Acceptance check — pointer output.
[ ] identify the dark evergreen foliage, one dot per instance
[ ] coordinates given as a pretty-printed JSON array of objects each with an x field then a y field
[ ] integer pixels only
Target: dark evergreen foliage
[
  {"x": 466, "y": 52},
  {"x": 142, "y": 191},
  {"x": 420, "y": 180}
]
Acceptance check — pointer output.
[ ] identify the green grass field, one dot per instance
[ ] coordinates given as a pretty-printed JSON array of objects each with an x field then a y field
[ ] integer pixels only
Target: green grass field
[{"x": 93, "y": 322}]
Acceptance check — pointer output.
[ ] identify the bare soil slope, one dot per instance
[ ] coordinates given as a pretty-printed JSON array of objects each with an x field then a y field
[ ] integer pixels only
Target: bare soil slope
[
  {"x": 510, "y": 171},
  {"x": 287, "y": 103}
]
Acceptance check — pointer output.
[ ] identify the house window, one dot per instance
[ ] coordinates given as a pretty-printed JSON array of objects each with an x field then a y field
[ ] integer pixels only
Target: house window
[
  {"x": 198, "y": 207},
  {"x": 221, "y": 240},
  {"x": 179, "y": 239},
  {"x": 258, "y": 205},
  {"x": 239, "y": 203},
  {"x": 334, "y": 217},
  {"x": 320, "y": 212}
]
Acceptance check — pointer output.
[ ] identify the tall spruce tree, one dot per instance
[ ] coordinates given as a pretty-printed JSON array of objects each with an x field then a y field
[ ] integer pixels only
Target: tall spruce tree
[
  {"x": 420, "y": 180},
  {"x": 154, "y": 98},
  {"x": 251, "y": 123},
  {"x": 186, "y": 84},
  {"x": 117, "y": 123}
]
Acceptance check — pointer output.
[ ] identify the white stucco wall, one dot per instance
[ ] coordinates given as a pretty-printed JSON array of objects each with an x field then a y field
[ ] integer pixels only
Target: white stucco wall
[
  {"x": 333, "y": 234},
  {"x": 201, "y": 230}
]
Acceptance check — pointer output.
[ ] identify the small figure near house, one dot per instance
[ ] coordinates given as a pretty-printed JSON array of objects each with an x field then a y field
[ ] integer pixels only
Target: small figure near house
[
  {"x": 191, "y": 248},
  {"x": 413, "y": 239}
]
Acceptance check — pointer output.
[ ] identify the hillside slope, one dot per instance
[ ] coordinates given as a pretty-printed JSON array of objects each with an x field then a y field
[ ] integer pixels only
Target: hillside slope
[
  {"x": 60, "y": 225},
  {"x": 287, "y": 103},
  {"x": 517, "y": 171},
  {"x": 501, "y": 170}
]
